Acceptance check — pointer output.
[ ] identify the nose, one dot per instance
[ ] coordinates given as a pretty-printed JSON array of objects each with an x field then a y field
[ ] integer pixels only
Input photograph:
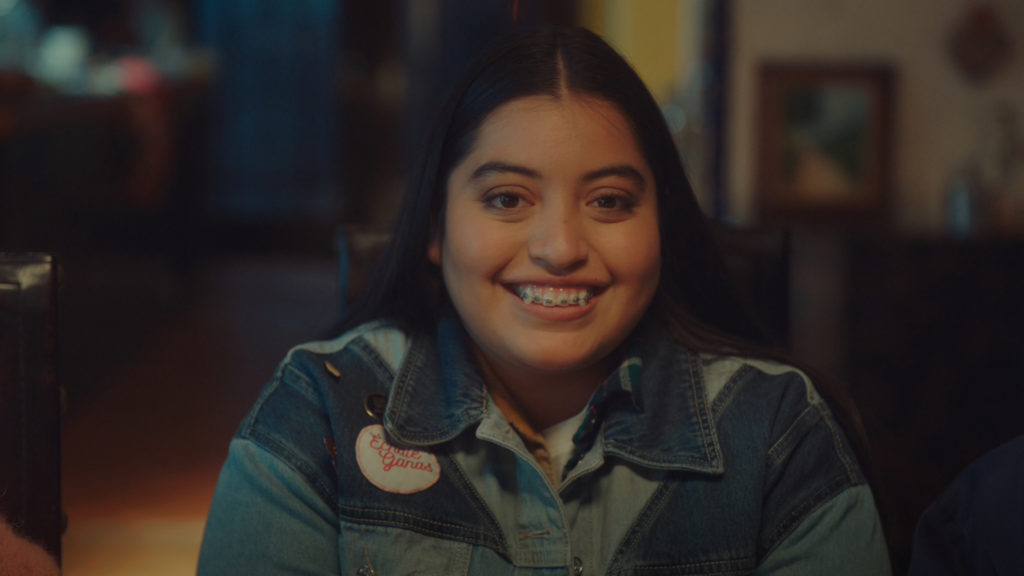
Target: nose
[{"x": 558, "y": 242}]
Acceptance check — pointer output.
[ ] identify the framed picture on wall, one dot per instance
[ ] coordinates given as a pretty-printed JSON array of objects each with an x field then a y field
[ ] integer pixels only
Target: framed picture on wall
[{"x": 824, "y": 137}]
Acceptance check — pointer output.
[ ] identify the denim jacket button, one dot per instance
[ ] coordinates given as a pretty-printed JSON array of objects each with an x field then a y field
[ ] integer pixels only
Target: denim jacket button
[{"x": 577, "y": 566}]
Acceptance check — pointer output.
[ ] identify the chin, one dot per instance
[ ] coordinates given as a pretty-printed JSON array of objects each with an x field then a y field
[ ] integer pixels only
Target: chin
[{"x": 551, "y": 361}]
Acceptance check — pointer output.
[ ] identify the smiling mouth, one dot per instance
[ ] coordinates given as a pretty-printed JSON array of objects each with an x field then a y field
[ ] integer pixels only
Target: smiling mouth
[{"x": 552, "y": 297}]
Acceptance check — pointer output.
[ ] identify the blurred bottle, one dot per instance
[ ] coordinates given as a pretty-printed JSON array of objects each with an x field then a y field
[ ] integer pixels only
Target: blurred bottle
[{"x": 965, "y": 203}]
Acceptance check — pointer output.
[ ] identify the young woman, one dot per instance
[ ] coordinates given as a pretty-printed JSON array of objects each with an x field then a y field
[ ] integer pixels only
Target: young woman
[{"x": 550, "y": 375}]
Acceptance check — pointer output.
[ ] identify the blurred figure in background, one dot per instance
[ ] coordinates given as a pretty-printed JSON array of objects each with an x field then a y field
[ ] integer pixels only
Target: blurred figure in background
[{"x": 976, "y": 527}]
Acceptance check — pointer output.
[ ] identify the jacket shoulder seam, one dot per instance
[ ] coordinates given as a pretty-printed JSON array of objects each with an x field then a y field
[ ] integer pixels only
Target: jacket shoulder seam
[
  {"x": 828, "y": 492},
  {"x": 294, "y": 462}
]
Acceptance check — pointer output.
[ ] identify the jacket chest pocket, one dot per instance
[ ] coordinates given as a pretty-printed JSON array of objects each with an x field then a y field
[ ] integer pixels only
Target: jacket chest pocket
[{"x": 371, "y": 550}]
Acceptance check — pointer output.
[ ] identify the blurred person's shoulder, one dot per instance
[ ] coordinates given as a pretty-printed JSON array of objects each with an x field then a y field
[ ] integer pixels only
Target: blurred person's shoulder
[{"x": 976, "y": 525}]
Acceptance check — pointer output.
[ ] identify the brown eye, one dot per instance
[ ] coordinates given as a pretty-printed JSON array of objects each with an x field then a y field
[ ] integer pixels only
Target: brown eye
[
  {"x": 613, "y": 203},
  {"x": 503, "y": 200}
]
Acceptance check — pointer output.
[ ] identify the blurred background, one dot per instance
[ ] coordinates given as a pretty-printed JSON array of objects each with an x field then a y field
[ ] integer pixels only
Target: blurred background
[{"x": 208, "y": 171}]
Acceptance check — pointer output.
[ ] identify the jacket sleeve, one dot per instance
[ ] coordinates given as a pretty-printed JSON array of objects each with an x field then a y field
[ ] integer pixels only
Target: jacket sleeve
[
  {"x": 267, "y": 519},
  {"x": 819, "y": 516},
  {"x": 843, "y": 536}
]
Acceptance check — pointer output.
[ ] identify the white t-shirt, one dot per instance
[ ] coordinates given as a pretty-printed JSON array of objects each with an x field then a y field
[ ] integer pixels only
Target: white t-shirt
[{"x": 559, "y": 440}]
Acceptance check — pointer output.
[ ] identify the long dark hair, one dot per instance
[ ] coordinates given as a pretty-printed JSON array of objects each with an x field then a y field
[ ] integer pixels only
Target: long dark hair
[{"x": 696, "y": 299}]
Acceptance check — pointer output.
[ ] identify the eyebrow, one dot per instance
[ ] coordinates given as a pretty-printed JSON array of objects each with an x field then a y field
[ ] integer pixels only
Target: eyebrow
[
  {"x": 493, "y": 168},
  {"x": 622, "y": 170}
]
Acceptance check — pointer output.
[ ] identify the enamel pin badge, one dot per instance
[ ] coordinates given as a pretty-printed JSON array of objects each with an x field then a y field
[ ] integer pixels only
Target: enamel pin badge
[{"x": 392, "y": 469}]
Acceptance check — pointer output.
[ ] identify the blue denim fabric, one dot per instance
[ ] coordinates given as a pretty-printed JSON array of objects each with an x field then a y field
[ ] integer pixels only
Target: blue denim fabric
[
  {"x": 976, "y": 526},
  {"x": 690, "y": 465}
]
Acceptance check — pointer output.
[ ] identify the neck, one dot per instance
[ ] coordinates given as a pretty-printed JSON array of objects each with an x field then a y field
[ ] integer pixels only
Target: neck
[{"x": 541, "y": 399}]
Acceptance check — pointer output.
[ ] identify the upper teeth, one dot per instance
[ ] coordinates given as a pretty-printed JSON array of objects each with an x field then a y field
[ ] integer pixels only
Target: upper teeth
[{"x": 550, "y": 296}]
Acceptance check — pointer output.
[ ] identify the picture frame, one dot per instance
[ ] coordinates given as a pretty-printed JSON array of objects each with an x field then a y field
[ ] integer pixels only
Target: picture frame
[{"x": 824, "y": 142}]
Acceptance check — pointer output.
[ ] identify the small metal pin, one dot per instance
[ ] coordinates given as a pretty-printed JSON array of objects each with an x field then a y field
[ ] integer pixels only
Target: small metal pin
[{"x": 330, "y": 368}]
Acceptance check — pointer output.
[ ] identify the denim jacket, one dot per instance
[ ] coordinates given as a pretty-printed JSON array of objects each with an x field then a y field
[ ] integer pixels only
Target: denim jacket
[{"x": 383, "y": 454}]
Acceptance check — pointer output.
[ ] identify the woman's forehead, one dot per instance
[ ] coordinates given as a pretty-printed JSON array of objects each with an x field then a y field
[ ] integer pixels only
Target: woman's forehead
[
  {"x": 571, "y": 107},
  {"x": 542, "y": 129}
]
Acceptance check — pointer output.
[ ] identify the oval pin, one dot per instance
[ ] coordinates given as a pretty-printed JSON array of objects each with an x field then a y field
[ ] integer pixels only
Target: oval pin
[{"x": 393, "y": 469}]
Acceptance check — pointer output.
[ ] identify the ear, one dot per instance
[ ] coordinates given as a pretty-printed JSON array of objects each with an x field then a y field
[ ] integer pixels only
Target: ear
[{"x": 434, "y": 249}]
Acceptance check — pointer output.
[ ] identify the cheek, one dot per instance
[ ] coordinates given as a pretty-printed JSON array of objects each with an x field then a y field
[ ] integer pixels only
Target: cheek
[
  {"x": 636, "y": 261},
  {"x": 473, "y": 246}
]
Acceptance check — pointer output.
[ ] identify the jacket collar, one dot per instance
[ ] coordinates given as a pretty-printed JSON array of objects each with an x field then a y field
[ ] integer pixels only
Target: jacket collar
[{"x": 656, "y": 410}]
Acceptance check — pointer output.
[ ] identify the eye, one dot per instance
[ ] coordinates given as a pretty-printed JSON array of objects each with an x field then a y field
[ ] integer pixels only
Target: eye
[
  {"x": 614, "y": 203},
  {"x": 503, "y": 200},
  {"x": 607, "y": 202}
]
